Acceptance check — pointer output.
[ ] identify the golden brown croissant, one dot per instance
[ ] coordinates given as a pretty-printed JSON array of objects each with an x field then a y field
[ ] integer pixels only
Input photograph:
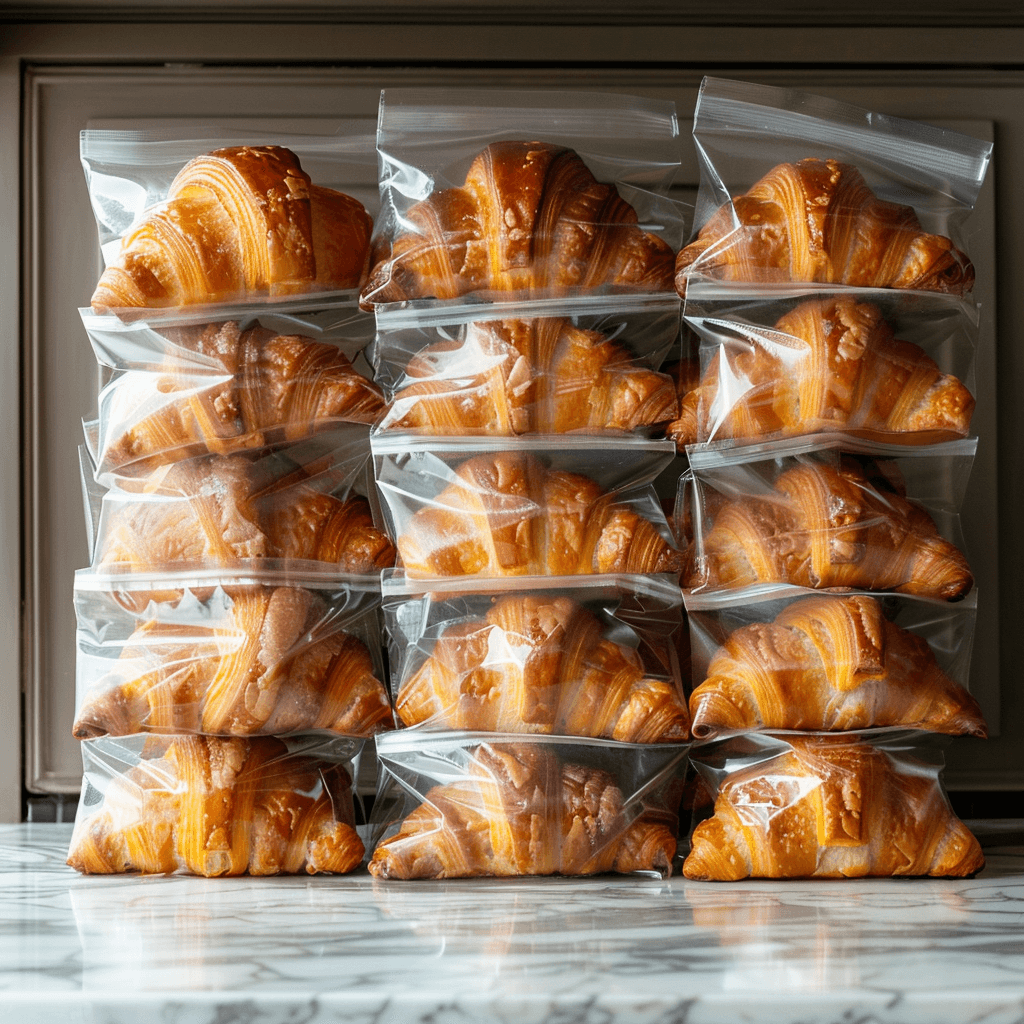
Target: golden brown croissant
[
  {"x": 530, "y": 218},
  {"x": 541, "y": 664},
  {"x": 831, "y": 364},
  {"x": 830, "y": 663},
  {"x": 817, "y": 220},
  {"x": 530, "y": 376},
  {"x": 239, "y": 223},
  {"x": 830, "y": 526},
  {"x": 507, "y": 515},
  {"x": 520, "y": 811},
  {"x": 268, "y": 665},
  {"x": 831, "y": 811},
  {"x": 280, "y": 388},
  {"x": 211, "y": 511},
  {"x": 213, "y": 807}
]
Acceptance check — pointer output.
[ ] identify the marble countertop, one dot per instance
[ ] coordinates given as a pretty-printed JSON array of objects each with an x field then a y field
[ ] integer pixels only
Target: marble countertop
[{"x": 592, "y": 951}]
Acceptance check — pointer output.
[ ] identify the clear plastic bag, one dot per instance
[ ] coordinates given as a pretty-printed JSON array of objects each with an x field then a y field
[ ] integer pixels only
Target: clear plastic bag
[
  {"x": 218, "y": 218},
  {"x": 462, "y": 805},
  {"x": 228, "y": 656},
  {"x": 538, "y": 506},
  {"x": 497, "y": 194},
  {"x": 217, "y": 806},
  {"x": 796, "y": 187},
  {"x": 585, "y": 656},
  {"x": 855, "y": 516},
  {"x": 830, "y": 662},
  {"x": 828, "y": 805}
]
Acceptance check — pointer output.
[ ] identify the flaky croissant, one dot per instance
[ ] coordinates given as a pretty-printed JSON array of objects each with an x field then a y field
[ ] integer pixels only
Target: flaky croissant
[
  {"x": 830, "y": 526},
  {"x": 541, "y": 664},
  {"x": 213, "y": 807},
  {"x": 508, "y": 515},
  {"x": 274, "y": 388},
  {"x": 267, "y": 666},
  {"x": 831, "y": 811},
  {"x": 829, "y": 663},
  {"x": 818, "y": 221},
  {"x": 520, "y": 811},
  {"x": 828, "y": 365},
  {"x": 239, "y": 223},
  {"x": 530, "y": 218},
  {"x": 542, "y": 375}
]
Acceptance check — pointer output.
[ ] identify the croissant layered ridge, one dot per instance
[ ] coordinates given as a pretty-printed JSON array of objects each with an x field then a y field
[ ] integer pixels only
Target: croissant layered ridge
[
  {"x": 239, "y": 223},
  {"x": 819, "y": 221},
  {"x": 529, "y": 219}
]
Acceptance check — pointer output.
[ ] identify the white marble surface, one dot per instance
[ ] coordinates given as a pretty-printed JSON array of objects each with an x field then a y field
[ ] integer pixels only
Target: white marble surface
[{"x": 561, "y": 951}]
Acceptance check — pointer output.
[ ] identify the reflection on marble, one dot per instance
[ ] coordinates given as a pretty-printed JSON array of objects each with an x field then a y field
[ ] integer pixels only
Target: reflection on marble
[{"x": 305, "y": 950}]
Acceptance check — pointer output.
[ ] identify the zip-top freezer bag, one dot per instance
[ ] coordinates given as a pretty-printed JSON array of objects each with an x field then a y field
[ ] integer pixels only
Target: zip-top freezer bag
[
  {"x": 869, "y": 364},
  {"x": 312, "y": 502},
  {"x": 544, "y": 367},
  {"x": 230, "y": 656},
  {"x": 855, "y": 516},
  {"x": 830, "y": 662},
  {"x": 537, "y": 506},
  {"x": 218, "y": 218},
  {"x": 495, "y": 195},
  {"x": 581, "y": 656},
  {"x": 797, "y": 187},
  {"x": 465, "y": 805},
  {"x": 828, "y": 805},
  {"x": 213, "y": 806}
]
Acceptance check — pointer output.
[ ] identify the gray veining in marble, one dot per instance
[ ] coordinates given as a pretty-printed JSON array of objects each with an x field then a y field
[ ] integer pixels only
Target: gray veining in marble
[{"x": 350, "y": 950}]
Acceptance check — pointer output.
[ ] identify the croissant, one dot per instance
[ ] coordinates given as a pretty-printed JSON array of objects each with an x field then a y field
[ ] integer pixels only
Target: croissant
[
  {"x": 273, "y": 388},
  {"x": 529, "y": 218},
  {"x": 268, "y": 665},
  {"x": 238, "y": 224},
  {"x": 507, "y": 515},
  {"x": 530, "y": 376},
  {"x": 829, "y": 663},
  {"x": 830, "y": 526},
  {"x": 520, "y": 811},
  {"x": 833, "y": 364},
  {"x": 213, "y": 807},
  {"x": 817, "y": 220},
  {"x": 831, "y": 811},
  {"x": 541, "y": 665},
  {"x": 211, "y": 511}
]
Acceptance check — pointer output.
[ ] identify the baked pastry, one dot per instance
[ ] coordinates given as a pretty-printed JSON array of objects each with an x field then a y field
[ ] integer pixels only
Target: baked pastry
[
  {"x": 817, "y": 220},
  {"x": 828, "y": 365},
  {"x": 508, "y": 515},
  {"x": 541, "y": 664},
  {"x": 831, "y": 811},
  {"x": 826, "y": 526},
  {"x": 539, "y": 376},
  {"x": 520, "y": 811},
  {"x": 239, "y": 223},
  {"x": 270, "y": 663},
  {"x": 530, "y": 218},
  {"x": 829, "y": 663},
  {"x": 274, "y": 387},
  {"x": 212, "y": 806}
]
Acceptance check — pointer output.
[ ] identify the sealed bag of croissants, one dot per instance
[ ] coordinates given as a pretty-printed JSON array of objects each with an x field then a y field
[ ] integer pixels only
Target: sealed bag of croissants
[
  {"x": 230, "y": 656},
  {"x": 588, "y": 656},
  {"x": 828, "y": 805},
  {"x": 463, "y": 805},
  {"x": 797, "y": 187},
  {"x": 875, "y": 518},
  {"x": 219, "y": 218},
  {"x": 548, "y": 505},
  {"x": 217, "y": 806},
  {"x": 498, "y": 194}
]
